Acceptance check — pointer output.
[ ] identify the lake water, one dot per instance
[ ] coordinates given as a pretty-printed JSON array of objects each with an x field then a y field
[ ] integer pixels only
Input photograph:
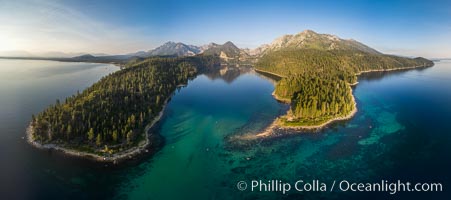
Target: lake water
[{"x": 401, "y": 131}]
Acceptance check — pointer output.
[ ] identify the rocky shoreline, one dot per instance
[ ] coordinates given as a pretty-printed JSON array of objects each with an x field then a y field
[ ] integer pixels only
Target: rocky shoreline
[
  {"x": 274, "y": 129},
  {"x": 393, "y": 69},
  {"x": 113, "y": 158}
]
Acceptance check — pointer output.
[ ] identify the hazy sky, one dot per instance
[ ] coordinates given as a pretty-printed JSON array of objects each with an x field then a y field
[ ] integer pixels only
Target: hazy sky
[{"x": 413, "y": 28}]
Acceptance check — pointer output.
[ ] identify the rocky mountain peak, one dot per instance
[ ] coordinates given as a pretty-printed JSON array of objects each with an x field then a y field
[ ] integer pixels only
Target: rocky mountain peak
[{"x": 309, "y": 39}]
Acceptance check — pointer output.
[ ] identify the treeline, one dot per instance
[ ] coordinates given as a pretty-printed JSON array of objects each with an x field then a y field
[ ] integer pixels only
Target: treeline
[
  {"x": 341, "y": 64},
  {"x": 316, "y": 82},
  {"x": 115, "y": 110}
]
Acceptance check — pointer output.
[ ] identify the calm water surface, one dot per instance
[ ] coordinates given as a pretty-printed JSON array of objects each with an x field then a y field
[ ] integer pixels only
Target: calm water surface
[{"x": 401, "y": 131}]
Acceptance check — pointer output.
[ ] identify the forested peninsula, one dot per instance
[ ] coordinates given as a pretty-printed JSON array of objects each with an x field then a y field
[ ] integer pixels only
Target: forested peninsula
[
  {"x": 317, "y": 83},
  {"x": 107, "y": 121}
]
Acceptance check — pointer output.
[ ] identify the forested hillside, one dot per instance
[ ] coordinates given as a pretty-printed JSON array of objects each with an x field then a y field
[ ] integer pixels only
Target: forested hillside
[
  {"x": 114, "y": 111},
  {"x": 316, "y": 82}
]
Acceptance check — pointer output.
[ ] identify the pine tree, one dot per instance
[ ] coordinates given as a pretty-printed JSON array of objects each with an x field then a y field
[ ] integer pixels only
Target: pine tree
[
  {"x": 115, "y": 136},
  {"x": 98, "y": 140},
  {"x": 130, "y": 137},
  {"x": 91, "y": 134}
]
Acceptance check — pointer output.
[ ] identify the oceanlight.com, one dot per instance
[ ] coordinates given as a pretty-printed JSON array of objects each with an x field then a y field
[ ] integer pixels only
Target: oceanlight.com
[{"x": 336, "y": 185}]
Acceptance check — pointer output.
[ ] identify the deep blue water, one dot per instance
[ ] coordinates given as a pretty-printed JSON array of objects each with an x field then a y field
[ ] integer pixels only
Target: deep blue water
[{"x": 401, "y": 131}]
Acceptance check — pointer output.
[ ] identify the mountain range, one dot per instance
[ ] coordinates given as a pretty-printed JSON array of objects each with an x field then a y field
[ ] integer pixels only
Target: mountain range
[
  {"x": 228, "y": 51},
  {"x": 170, "y": 49},
  {"x": 307, "y": 39}
]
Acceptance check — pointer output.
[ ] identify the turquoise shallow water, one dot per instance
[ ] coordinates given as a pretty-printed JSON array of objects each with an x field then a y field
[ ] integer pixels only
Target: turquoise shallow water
[
  {"x": 401, "y": 131},
  {"x": 194, "y": 162}
]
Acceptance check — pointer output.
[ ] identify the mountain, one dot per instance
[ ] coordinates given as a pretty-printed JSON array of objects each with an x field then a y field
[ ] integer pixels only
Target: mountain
[
  {"x": 85, "y": 56},
  {"x": 309, "y": 39},
  {"x": 178, "y": 49},
  {"x": 58, "y": 54},
  {"x": 203, "y": 48},
  {"x": 170, "y": 49},
  {"x": 228, "y": 52},
  {"x": 316, "y": 72},
  {"x": 228, "y": 48},
  {"x": 138, "y": 54}
]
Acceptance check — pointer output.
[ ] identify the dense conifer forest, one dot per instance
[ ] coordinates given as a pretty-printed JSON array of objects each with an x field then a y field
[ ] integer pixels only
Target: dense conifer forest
[
  {"x": 113, "y": 113},
  {"x": 317, "y": 82}
]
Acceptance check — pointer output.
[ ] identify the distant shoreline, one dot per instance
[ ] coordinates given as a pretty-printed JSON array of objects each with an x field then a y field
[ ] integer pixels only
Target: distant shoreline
[
  {"x": 114, "y": 158},
  {"x": 393, "y": 69},
  {"x": 269, "y": 131},
  {"x": 74, "y": 60}
]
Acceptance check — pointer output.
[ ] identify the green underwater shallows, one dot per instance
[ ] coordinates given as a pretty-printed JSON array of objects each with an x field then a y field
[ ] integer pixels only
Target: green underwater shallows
[{"x": 198, "y": 162}]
